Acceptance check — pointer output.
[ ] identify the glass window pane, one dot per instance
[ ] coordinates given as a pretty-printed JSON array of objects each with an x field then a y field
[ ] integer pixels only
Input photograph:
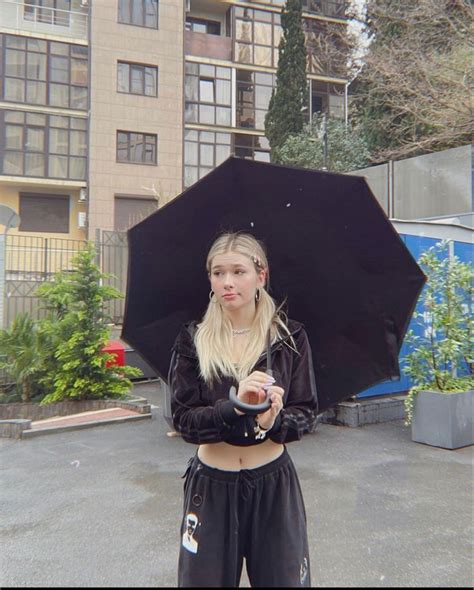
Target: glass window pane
[
  {"x": 223, "y": 73},
  {"x": 79, "y": 72},
  {"x": 261, "y": 156},
  {"x": 136, "y": 147},
  {"x": 13, "y": 163},
  {"x": 35, "y": 119},
  {"x": 204, "y": 171},
  {"x": 263, "y": 79},
  {"x": 124, "y": 11},
  {"x": 35, "y": 92},
  {"x": 150, "y": 149},
  {"x": 151, "y": 13},
  {"x": 123, "y": 77},
  {"x": 137, "y": 13},
  {"x": 223, "y": 138},
  {"x": 207, "y": 71},
  {"x": 59, "y": 48},
  {"x": 13, "y": 137},
  {"x": 79, "y": 51},
  {"x": 191, "y": 68},
  {"x": 78, "y": 145},
  {"x": 122, "y": 147},
  {"x": 34, "y": 140},
  {"x": 17, "y": 42},
  {"x": 77, "y": 168},
  {"x": 262, "y": 15},
  {"x": 263, "y": 55},
  {"x": 56, "y": 121},
  {"x": 59, "y": 95},
  {"x": 57, "y": 166},
  {"x": 14, "y": 90},
  {"x": 222, "y": 92},
  {"x": 59, "y": 69},
  {"x": 222, "y": 153},
  {"x": 191, "y": 88},
  {"x": 36, "y": 66},
  {"x": 243, "y": 31},
  {"x": 37, "y": 45},
  {"x": 137, "y": 81},
  {"x": 78, "y": 123},
  {"x": 14, "y": 117},
  {"x": 206, "y": 153},
  {"x": 243, "y": 53},
  {"x": 263, "y": 34},
  {"x": 207, "y": 137},
  {"x": 260, "y": 119},
  {"x": 191, "y": 153},
  {"x": 206, "y": 90},
  {"x": 191, "y": 113},
  {"x": 262, "y": 96},
  {"x": 150, "y": 81},
  {"x": 58, "y": 141},
  {"x": 34, "y": 164},
  {"x": 190, "y": 135},
  {"x": 190, "y": 175},
  {"x": 78, "y": 97},
  {"x": 15, "y": 63},
  {"x": 206, "y": 114},
  {"x": 223, "y": 116}
]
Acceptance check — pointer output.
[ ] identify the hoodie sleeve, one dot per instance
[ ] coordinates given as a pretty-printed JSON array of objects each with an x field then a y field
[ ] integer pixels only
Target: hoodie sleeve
[
  {"x": 197, "y": 421},
  {"x": 300, "y": 409}
]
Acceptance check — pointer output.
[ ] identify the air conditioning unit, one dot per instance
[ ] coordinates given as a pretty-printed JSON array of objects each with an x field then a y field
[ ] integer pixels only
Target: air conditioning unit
[
  {"x": 82, "y": 219},
  {"x": 83, "y": 195}
]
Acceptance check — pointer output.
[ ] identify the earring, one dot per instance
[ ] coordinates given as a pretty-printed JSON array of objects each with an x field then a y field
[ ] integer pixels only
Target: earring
[
  {"x": 257, "y": 296},
  {"x": 211, "y": 295}
]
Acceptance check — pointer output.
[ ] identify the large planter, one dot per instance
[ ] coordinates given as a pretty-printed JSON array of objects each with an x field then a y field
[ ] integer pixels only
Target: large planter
[{"x": 443, "y": 419}]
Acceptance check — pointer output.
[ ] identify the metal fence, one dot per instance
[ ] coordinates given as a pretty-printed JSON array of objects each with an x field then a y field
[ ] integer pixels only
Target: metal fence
[{"x": 29, "y": 261}]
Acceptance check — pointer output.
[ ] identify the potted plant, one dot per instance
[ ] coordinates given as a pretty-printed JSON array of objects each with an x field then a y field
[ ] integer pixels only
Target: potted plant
[{"x": 439, "y": 405}]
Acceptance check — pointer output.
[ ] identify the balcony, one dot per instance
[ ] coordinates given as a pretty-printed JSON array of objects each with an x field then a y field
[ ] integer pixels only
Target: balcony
[
  {"x": 21, "y": 17},
  {"x": 203, "y": 45}
]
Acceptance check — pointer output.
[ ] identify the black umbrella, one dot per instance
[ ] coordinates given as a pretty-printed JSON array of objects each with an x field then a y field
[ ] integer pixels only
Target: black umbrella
[{"x": 332, "y": 252}]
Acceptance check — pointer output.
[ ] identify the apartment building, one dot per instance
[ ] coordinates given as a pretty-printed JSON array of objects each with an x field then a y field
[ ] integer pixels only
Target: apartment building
[{"x": 110, "y": 108}]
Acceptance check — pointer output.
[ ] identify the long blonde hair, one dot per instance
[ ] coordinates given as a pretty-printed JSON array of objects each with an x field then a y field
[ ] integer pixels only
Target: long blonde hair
[{"x": 213, "y": 338}]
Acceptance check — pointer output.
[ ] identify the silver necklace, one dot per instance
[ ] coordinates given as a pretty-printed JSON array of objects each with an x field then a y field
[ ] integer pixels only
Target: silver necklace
[{"x": 243, "y": 331}]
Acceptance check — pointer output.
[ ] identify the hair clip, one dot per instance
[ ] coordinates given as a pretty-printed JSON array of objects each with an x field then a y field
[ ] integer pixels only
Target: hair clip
[{"x": 257, "y": 261}]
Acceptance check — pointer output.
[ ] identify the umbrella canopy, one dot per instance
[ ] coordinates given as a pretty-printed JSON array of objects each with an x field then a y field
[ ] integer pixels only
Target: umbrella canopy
[{"x": 346, "y": 273}]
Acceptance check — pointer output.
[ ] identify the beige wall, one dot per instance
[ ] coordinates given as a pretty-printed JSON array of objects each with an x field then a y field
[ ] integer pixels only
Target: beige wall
[
  {"x": 112, "y": 41},
  {"x": 9, "y": 196}
]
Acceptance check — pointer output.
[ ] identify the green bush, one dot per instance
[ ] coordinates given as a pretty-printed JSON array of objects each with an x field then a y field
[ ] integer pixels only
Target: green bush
[{"x": 442, "y": 358}]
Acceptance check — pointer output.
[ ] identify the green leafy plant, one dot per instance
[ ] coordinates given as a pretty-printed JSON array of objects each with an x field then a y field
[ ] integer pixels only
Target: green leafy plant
[
  {"x": 21, "y": 356},
  {"x": 442, "y": 357},
  {"x": 347, "y": 148},
  {"x": 78, "y": 330}
]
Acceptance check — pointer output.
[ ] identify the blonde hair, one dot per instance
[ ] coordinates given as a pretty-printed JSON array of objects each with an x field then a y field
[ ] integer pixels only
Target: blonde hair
[{"x": 213, "y": 338}]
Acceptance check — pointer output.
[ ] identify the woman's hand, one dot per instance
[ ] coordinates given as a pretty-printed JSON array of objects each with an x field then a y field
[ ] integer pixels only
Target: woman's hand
[
  {"x": 252, "y": 389},
  {"x": 267, "y": 419}
]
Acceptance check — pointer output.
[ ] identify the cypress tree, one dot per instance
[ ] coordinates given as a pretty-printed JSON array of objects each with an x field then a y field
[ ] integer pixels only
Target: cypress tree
[{"x": 285, "y": 114}]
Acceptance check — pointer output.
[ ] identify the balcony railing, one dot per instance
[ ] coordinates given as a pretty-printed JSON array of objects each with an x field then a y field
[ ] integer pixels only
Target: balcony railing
[
  {"x": 22, "y": 17},
  {"x": 203, "y": 45}
]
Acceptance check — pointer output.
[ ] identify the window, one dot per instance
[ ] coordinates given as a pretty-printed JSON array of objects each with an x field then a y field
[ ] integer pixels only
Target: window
[
  {"x": 44, "y": 213},
  {"x": 208, "y": 94},
  {"x": 137, "y": 79},
  {"x": 203, "y": 151},
  {"x": 327, "y": 47},
  {"x": 141, "y": 13},
  {"x": 257, "y": 36},
  {"x": 42, "y": 72},
  {"x": 254, "y": 90},
  {"x": 41, "y": 146},
  {"x": 54, "y": 12},
  {"x": 131, "y": 210},
  {"x": 136, "y": 148},
  {"x": 200, "y": 25},
  {"x": 252, "y": 147}
]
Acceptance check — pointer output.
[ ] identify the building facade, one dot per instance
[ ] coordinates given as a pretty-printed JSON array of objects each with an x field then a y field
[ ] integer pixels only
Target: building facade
[{"x": 110, "y": 108}]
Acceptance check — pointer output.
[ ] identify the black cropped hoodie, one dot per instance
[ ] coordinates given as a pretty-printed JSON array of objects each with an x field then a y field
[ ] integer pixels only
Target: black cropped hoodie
[{"x": 204, "y": 414}]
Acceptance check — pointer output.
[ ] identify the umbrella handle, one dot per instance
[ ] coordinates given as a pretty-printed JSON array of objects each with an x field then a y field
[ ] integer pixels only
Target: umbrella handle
[{"x": 251, "y": 409}]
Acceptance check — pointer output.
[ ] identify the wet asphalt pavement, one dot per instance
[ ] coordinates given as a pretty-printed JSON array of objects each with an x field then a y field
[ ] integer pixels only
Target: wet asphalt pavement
[{"x": 102, "y": 507}]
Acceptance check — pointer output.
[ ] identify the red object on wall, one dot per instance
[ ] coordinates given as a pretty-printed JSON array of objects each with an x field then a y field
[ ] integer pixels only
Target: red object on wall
[{"x": 118, "y": 350}]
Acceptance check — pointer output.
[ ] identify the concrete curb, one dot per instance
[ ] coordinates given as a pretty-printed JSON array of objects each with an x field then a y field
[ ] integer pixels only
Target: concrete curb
[{"x": 30, "y": 433}]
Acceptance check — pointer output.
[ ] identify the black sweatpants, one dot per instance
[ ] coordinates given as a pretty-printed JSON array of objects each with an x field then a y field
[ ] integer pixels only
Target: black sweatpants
[{"x": 256, "y": 513}]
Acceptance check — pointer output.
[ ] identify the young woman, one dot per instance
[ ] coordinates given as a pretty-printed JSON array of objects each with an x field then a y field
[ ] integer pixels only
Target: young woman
[{"x": 242, "y": 497}]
